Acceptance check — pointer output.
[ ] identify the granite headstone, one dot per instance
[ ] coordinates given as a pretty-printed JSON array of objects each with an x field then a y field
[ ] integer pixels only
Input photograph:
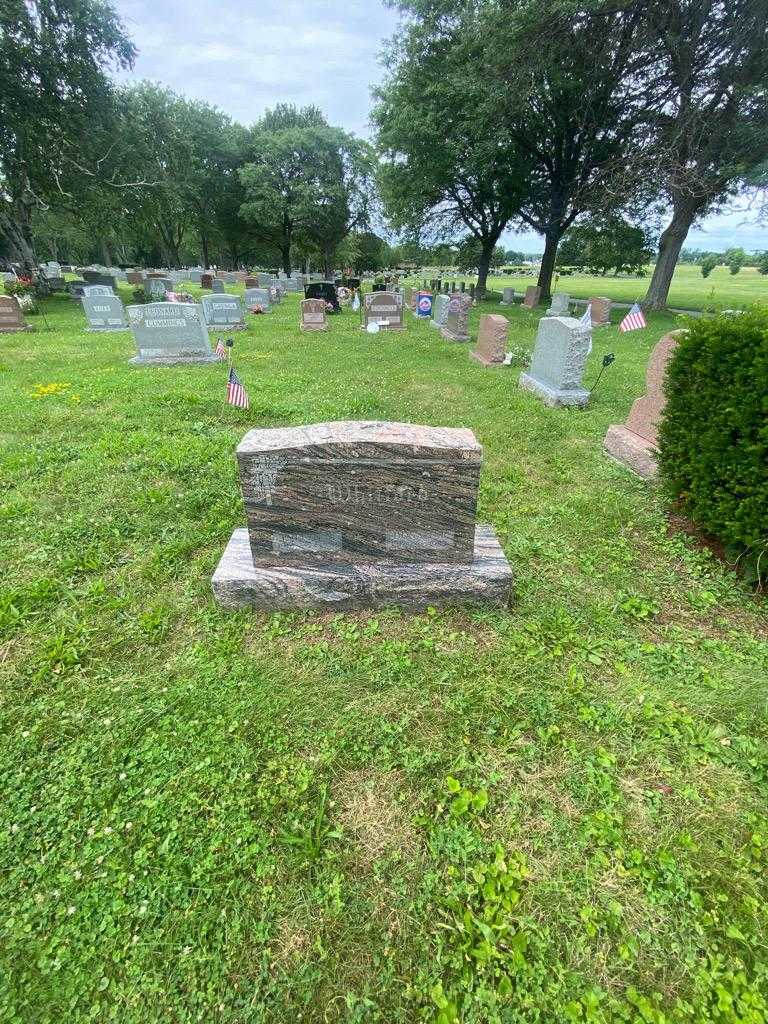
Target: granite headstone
[
  {"x": 170, "y": 332},
  {"x": 104, "y": 313},
  {"x": 361, "y": 515},
  {"x": 491, "y": 340},
  {"x": 557, "y": 365}
]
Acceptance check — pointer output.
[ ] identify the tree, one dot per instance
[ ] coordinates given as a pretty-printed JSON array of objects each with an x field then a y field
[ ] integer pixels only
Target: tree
[
  {"x": 734, "y": 259},
  {"x": 444, "y": 169},
  {"x": 303, "y": 179},
  {"x": 539, "y": 102},
  {"x": 762, "y": 263},
  {"x": 53, "y": 93},
  {"x": 346, "y": 196},
  {"x": 708, "y": 264},
  {"x": 710, "y": 62},
  {"x": 513, "y": 256},
  {"x": 365, "y": 252},
  {"x": 606, "y": 244}
]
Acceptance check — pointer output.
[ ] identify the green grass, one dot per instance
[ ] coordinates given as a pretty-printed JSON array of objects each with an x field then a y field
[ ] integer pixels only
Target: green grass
[
  {"x": 721, "y": 290},
  {"x": 552, "y": 812}
]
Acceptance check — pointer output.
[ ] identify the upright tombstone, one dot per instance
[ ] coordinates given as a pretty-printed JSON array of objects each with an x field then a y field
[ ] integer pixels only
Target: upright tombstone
[
  {"x": 11, "y": 317},
  {"x": 263, "y": 280},
  {"x": 439, "y": 310},
  {"x": 491, "y": 340},
  {"x": 223, "y": 311},
  {"x": 104, "y": 313},
  {"x": 170, "y": 332},
  {"x": 601, "y": 311},
  {"x": 195, "y": 276},
  {"x": 557, "y": 365},
  {"x": 135, "y": 278},
  {"x": 217, "y": 286},
  {"x": 559, "y": 304},
  {"x": 206, "y": 282},
  {"x": 251, "y": 282},
  {"x": 258, "y": 297},
  {"x": 635, "y": 443},
  {"x": 290, "y": 284},
  {"x": 361, "y": 515},
  {"x": 384, "y": 309},
  {"x": 93, "y": 290},
  {"x": 456, "y": 326},
  {"x": 99, "y": 277},
  {"x": 156, "y": 287},
  {"x": 508, "y": 297},
  {"x": 532, "y": 296},
  {"x": 313, "y": 315},
  {"x": 323, "y": 290}
]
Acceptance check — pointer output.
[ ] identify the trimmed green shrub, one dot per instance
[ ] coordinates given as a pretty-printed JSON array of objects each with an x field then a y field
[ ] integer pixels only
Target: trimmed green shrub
[{"x": 714, "y": 437}]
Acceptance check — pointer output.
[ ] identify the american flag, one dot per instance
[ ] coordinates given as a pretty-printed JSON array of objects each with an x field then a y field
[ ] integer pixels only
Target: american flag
[
  {"x": 586, "y": 320},
  {"x": 634, "y": 320},
  {"x": 221, "y": 352},
  {"x": 236, "y": 393}
]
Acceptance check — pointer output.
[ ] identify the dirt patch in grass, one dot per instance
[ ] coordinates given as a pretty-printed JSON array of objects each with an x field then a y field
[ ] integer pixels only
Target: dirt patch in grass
[{"x": 373, "y": 817}]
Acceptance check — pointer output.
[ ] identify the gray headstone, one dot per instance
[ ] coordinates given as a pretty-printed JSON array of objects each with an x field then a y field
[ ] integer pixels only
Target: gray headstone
[
  {"x": 557, "y": 365},
  {"x": 91, "y": 290},
  {"x": 508, "y": 297},
  {"x": 170, "y": 332},
  {"x": 156, "y": 287},
  {"x": 217, "y": 286},
  {"x": 559, "y": 306},
  {"x": 456, "y": 327},
  {"x": 360, "y": 514},
  {"x": 439, "y": 310},
  {"x": 257, "y": 297},
  {"x": 195, "y": 276},
  {"x": 223, "y": 311},
  {"x": 104, "y": 313}
]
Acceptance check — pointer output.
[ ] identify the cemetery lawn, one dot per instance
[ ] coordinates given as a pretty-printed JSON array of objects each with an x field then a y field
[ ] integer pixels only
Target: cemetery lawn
[
  {"x": 552, "y": 812},
  {"x": 721, "y": 290}
]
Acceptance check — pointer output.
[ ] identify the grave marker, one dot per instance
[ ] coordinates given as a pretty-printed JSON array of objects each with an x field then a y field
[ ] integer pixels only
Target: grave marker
[
  {"x": 170, "y": 332},
  {"x": 11, "y": 317},
  {"x": 223, "y": 311},
  {"x": 360, "y": 515},
  {"x": 559, "y": 356},
  {"x": 559, "y": 304},
  {"x": 313, "y": 315},
  {"x": 258, "y": 297},
  {"x": 439, "y": 310},
  {"x": 601, "y": 311},
  {"x": 104, "y": 313},
  {"x": 385, "y": 309},
  {"x": 491, "y": 340},
  {"x": 532, "y": 296},
  {"x": 635, "y": 443},
  {"x": 456, "y": 327}
]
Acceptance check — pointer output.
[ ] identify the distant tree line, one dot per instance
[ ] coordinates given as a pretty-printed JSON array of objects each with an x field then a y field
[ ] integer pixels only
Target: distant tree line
[{"x": 89, "y": 170}]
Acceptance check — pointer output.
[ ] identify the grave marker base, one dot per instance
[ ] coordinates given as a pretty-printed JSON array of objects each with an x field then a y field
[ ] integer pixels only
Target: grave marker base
[
  {"x": 485, "y": 362},
  {"x": 635, "y": 453},
  {"x": 554, "y": 397},
  {"x": 173, "y": 360},
  {"x": 237, "y": 583}
]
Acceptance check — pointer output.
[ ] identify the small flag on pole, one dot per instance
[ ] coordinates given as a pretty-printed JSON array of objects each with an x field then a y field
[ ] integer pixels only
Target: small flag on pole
[
  {"x": 236, "y": 393},
  {"x": 586, "y": 320},
  {"x": 634, "y": 320},
  {"x": 221, "y": 352}
]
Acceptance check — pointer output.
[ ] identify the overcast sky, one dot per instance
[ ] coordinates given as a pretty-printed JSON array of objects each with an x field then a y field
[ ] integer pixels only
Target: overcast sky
[{"x": 244, "y": 58}]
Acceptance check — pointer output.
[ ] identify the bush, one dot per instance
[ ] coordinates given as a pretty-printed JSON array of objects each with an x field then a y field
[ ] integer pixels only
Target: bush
[
  {"x": 21, "y": 286},
  {"x": 708, "y": 264},
  {"x": 714, "y": 437}
]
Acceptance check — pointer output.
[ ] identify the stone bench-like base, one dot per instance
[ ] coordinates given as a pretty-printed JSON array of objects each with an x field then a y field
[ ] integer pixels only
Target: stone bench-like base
[
  {"x": 174, "y": 360},
  {"x": 237, "y": 583},
  {"x": 633, "y": 452},
  {"x": 554, "y": 397}
]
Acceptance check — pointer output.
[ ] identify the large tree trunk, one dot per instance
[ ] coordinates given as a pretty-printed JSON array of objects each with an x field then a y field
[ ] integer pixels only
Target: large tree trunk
[
  {"x": 204, "y": 249},
  {"x": 106, "y": 252},
  {"x": 670, "y": 244},
  {"x": 483, "y": 266},
  {"x": 285, "y": 253},
  {"x": 16, "y": 227},
  {"x": 328, "y": 255},
  {"x": 547, "y": 269}
]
